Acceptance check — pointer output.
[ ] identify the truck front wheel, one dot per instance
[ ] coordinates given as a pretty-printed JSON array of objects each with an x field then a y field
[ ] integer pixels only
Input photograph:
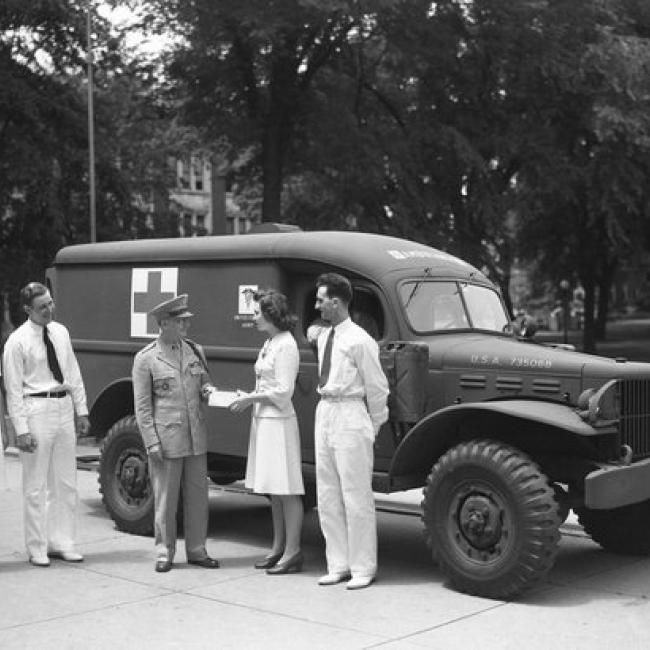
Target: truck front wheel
[
  {"x": 491, "y": 519},
  {"x": 623, "y": 530},
  {"x": 124, "y": 478}
]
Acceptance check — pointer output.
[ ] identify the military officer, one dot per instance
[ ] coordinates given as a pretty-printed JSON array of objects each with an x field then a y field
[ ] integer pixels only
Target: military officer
[{"x": 170, "y": 377}]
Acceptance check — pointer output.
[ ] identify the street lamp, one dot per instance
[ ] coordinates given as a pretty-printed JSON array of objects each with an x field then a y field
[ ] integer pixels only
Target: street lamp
[
  {"x": 91, "y": 126},
  {"x": 564, "y": 290}
]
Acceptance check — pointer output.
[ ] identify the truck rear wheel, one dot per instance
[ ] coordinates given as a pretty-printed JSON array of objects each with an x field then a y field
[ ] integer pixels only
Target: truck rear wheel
[
  {"x": 124, "y": 478},
  {"x": 623, "y": 530},
  {"x": 491, "y": 519}
]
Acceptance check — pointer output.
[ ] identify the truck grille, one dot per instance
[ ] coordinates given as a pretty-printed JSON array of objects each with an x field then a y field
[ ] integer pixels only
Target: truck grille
[{"x": 634, "y": 401}]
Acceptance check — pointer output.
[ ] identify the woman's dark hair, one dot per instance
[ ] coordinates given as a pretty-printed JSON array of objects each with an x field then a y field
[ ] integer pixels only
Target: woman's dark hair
[
  {"x": 31, "y": 291},
  {"x": 275, "y": 309}
]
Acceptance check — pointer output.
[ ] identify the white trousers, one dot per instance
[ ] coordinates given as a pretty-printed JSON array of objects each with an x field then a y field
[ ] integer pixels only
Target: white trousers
[
  {"x": 3, "y": 471},
  {"x": 166, "y": 479},
  {"x": 346, "y": 506},
  {"x": 50, "y": 476}
]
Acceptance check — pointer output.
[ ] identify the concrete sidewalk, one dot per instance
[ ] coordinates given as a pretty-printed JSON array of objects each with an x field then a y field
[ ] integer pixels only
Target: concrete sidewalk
[{"x": 114, "y": 599}]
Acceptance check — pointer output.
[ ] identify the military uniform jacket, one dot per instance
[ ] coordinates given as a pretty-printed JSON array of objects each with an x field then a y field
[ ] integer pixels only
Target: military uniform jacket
[{"x": 167, "y": 395}]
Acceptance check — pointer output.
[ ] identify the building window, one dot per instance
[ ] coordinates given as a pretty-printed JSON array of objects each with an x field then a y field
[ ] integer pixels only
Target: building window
[
  {"x": 191, "y": 224},
  {"x": 185, "y": 224},
  {"x": 183, "y": 174},
  {"x": 237, "y": 224},
  {"x": 197, "y": 173}
]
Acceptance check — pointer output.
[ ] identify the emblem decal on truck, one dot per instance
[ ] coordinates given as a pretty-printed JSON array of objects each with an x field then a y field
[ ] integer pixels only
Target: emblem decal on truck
[
  {"x": 150, "y": 287},
  {"x": 245, "y": 302}
]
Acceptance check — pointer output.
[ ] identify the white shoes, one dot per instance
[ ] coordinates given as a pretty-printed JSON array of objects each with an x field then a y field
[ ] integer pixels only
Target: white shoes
[
  {"x": 66, "y": 556},
  {"x": 333, "y": 578},
  {"x": 360, "y": 582},
  {"x": 39, "y": 560}
]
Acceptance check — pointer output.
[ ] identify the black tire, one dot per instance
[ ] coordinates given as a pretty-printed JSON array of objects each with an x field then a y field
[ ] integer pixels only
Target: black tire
[
  {"x": 124, "y": 478},
  {"x": 491, "y": 519},
  {"x": 625, "y": 530},
  {"x": 223, "y": 479}
]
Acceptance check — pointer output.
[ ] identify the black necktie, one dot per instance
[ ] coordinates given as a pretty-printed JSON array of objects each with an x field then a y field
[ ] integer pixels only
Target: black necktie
[
  {"x": 327, "y": 360},
  {"x": 52, "y": 361}
]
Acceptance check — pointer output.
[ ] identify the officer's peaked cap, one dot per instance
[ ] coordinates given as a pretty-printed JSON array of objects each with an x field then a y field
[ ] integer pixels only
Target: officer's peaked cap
[{"x": 174, "y": 308}]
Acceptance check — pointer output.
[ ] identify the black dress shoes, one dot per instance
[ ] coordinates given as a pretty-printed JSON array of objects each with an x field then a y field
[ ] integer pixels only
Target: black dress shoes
[
  {"x": 206, "y": 562},
  {"x": 162, "y": 566},
  {"x": 268, "y": 561},
  {"x": 292, "y": 565}
]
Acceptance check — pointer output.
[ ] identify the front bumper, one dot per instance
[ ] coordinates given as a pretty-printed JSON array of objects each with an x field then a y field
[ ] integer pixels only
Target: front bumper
[{"x": 616, "y": 486}]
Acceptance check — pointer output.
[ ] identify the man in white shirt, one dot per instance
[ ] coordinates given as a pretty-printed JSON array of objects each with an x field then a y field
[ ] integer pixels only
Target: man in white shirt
[
  {"x": 44, "y": 392},
  {"x": 5, "y": 439},
  {"x": 352, "y": 408}
]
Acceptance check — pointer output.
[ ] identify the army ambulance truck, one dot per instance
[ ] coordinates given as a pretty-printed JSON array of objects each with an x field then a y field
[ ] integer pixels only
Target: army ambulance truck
[{"x": 503, "y": 434}]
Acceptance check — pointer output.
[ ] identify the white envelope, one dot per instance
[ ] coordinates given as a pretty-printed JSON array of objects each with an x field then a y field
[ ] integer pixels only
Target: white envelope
[{"x": 222, "y": 398}]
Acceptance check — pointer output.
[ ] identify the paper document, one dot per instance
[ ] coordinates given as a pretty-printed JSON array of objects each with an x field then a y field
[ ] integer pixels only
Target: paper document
[{"x": 222, "y": 398}]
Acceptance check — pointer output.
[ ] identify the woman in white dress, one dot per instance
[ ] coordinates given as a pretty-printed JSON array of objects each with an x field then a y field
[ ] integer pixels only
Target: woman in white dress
[{"x": 274, "y": 463}]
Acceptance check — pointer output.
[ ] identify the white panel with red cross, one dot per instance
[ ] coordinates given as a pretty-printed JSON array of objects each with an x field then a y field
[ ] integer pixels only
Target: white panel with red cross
[{"x": 150, "y": 287}]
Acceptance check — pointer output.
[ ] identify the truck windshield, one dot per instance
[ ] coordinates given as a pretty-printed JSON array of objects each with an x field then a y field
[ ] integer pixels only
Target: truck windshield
[{"x": 434, "y": 306}]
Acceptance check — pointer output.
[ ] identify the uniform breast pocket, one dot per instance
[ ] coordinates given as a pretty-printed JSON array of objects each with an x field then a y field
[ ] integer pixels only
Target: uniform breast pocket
[{"x": 163, "y": 384}]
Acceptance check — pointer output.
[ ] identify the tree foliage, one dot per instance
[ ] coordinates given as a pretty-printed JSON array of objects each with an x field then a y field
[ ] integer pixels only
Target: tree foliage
[
  {"x": 44, "y": 201},
  {"x": 251, "y": 70},
  {"x": 40, "y": 112},
  {"x": 493, "y": 129}
]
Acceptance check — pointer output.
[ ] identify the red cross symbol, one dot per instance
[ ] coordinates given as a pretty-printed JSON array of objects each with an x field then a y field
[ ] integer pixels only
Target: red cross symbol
[{"x": 144, "y": 302}]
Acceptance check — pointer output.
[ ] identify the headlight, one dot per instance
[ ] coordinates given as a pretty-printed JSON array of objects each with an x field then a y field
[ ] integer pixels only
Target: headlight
[{"x": 600, "y": 407}]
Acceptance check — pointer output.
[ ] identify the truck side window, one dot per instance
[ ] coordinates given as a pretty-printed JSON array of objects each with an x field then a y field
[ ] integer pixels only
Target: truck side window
[{"x": 366, "y": 311}]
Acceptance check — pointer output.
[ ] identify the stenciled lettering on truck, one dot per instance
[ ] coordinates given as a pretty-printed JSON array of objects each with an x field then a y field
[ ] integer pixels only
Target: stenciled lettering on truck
[{"x": 510, "y": 361}]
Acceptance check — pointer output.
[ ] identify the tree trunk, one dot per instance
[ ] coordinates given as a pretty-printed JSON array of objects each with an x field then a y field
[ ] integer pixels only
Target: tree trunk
[
  {"x": 274, "y": 147},
  {"x": 602, "y": 307}
]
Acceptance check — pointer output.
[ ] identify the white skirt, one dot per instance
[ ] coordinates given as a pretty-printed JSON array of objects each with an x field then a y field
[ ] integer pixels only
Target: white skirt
[{"x": 274, "y": 462}]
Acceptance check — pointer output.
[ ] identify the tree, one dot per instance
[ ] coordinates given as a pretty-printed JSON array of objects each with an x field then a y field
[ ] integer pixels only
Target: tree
[
  {"x": 526, "y": 127},
  {"x": 588, "y": 188},
  {"x": 249, "y": 70},
  {"x": 43, "y": 135},
  {"x": 40, "y": 123}
]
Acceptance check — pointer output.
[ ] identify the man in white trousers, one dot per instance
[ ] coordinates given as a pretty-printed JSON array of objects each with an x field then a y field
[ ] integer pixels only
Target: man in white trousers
[
  {"x": 5, "y": 440},
  {"x": 46, "y": 401},
  {"x": 352, "y": 408}
]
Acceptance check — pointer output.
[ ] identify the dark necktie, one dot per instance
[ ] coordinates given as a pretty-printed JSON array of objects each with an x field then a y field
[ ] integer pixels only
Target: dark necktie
[
  {"x": 327, "y": 360},
  {"x": 52, "y": 361}
]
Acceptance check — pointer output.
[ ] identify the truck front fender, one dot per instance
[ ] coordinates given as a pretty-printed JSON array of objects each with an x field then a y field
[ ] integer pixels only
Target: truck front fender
[
  {"x": 528, "y": 425},
  {"x": 111, "y": 405}
]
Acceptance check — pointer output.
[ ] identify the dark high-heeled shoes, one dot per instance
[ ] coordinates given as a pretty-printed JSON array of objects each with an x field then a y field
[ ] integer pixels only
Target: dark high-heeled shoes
[
  {"x": 268, "y": 561},
  {"x": 292, "y": 565}
]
